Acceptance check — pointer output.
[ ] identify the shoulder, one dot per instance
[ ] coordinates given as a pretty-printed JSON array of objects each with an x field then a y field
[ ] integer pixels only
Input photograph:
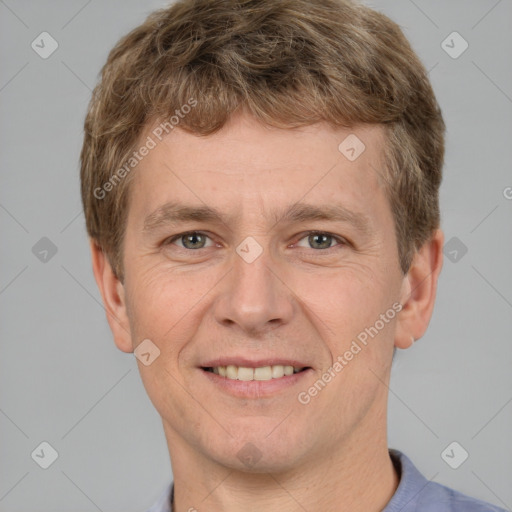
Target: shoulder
[
  {"x": 439, "y": 498},
  {"x": 163, "y": 504},
  {"x": 417, "y": 494}
]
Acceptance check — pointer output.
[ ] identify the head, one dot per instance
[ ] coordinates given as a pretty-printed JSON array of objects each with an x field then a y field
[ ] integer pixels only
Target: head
[{"x": 300, "y": 146}]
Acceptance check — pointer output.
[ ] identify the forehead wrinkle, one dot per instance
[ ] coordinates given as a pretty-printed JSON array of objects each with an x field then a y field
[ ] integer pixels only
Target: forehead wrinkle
[
  {"x": 174, "y": 212},
  {"x": 303, "y": 212}
]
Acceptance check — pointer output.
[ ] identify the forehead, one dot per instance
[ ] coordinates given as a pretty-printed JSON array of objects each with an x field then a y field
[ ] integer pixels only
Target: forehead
[{"x": 248, "y": 167}]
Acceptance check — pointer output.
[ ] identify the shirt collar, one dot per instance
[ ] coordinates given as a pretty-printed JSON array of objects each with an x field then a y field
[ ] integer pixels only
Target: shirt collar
[{"x": 412, "y": 482}]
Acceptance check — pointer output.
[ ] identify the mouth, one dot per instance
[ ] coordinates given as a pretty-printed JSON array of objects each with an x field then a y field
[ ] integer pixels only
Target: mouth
[{"x": 260, "y": 373}]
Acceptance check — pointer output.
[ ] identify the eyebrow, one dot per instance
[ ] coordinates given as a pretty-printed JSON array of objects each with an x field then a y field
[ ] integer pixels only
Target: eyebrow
[{"x": 173, "y": 213}]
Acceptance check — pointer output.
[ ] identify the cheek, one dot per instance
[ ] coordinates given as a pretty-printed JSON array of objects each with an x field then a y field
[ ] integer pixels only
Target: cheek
[
  {"x": 162, "y": 302},
  {"x": 347, "y": 306},
  {"x": 344, "y": 297}
]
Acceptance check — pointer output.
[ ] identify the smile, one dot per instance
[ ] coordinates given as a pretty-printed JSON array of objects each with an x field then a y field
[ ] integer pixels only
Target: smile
[{"x": 261, "y": 373}]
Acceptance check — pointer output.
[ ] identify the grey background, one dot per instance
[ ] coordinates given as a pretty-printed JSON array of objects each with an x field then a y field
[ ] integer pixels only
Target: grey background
[{"x": 63, "y": 381}]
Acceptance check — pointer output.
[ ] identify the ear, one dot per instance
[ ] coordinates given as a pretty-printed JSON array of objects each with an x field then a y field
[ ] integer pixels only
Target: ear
[
  {"x": 112, "y": 292},
  {"x": 418, "y": 292}
]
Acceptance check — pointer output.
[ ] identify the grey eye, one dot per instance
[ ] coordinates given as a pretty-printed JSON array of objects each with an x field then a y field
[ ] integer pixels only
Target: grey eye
[
  {"x": 193, "y": 240},
  {"x": 318, "y": 240}
]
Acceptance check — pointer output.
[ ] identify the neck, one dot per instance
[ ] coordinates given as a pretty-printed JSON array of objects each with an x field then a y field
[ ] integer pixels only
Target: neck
[{"x": 358, "y": 476}]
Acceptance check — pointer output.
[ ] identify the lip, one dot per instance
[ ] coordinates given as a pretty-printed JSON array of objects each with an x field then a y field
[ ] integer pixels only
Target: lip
[{"x": 256, "y": 389}]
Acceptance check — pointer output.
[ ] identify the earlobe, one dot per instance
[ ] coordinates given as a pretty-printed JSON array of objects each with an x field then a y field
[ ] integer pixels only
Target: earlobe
[
  {"x": 113, "y": 295},
  {"x": 419, "y": 291}
]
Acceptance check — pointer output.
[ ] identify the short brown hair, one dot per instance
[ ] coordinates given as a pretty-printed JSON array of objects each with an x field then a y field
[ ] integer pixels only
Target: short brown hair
[{"x": 288, "y": 63}]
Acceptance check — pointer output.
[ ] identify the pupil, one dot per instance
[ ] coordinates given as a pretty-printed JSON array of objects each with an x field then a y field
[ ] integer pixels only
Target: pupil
[
  {"x": 193, "y": 239},
  {"x": 326, "y": 240}
]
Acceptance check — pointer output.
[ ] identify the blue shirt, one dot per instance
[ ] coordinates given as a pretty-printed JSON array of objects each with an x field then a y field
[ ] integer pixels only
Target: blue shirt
[{"x": 414, "y": 494}]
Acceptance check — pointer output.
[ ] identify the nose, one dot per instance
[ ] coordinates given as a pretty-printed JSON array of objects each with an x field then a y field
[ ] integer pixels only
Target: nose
[{"x": 254, "y": 297}]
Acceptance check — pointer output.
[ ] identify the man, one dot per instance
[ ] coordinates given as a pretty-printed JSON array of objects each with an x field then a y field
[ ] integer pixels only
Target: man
[{"x": 260, "y": 181}]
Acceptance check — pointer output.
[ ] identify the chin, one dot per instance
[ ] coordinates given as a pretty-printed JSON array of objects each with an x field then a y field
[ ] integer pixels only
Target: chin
[{"x": 259, "y": 452}]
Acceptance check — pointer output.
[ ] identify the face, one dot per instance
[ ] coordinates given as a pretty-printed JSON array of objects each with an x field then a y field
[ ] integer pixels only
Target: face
[{"x": 263, "y": 254}]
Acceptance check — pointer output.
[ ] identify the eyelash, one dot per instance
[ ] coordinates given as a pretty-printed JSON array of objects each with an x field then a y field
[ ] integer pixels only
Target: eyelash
[{"x": 341, "y": 241}]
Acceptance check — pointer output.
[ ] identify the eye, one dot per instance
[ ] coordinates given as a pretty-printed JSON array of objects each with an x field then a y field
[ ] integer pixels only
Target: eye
[
  {"x": 321, "y": 240},
  {"x": 191, "y": 240}
]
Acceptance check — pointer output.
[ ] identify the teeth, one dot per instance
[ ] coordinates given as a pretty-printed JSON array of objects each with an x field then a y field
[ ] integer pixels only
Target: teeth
[
  {"x": 277, "y": 371},
  {"x": 231, "y": 372},
  {"x": 262, "y": 373},
  {"x": 245, "y": 373}
]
